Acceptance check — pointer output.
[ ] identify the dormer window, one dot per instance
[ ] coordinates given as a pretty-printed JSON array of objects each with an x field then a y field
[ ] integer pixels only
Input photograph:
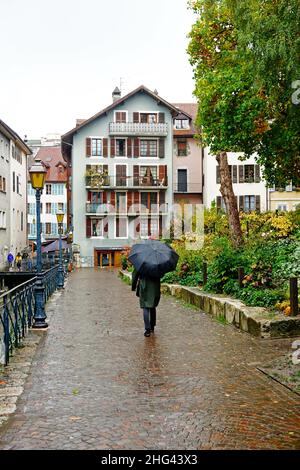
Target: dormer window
[{"x": 181, "y": 124}]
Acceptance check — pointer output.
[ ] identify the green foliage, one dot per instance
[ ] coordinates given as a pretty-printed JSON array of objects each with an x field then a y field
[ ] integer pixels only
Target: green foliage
[{"x": 246, "y": 60}]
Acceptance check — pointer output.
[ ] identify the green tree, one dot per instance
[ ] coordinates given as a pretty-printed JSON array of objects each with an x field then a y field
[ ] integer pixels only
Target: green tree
[
  {"x": 230, "y": 113},
  {"x": 269, "y": 29}
]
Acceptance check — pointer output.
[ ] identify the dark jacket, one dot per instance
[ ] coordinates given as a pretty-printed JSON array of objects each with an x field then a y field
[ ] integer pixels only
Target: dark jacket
[{"x": 147, "y": 289}]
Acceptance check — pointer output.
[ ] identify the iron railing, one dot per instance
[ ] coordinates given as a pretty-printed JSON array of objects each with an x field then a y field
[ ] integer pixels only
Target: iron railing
[
  {"x": 138, "y": 128},
  {"x": 99, "y": 182},
  {"x": 17, "y": 311}
]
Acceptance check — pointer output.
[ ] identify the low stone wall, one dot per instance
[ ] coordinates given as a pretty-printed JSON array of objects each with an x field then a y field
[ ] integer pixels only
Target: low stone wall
[{"x": 257, "y": 321}]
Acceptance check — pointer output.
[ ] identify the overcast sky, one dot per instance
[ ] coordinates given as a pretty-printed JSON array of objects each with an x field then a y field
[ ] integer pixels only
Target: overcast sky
[{"x": 61, "y": 59}]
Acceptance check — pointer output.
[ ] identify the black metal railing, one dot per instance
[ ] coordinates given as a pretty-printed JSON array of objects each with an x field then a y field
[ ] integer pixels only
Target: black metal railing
[{"x": 17, "y": 311}]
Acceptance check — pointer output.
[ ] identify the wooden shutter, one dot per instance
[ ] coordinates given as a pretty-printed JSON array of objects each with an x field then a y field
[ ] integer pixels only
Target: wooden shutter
[
  {"x": 136, "y": 117},
  {"x": 88, "y": 144},
  {"x": 118, "y": 117},
  {"x": 105, "y": 226},
  {"x": 129, "y": 148},
  {"x": 218, "y": 175},
  {"x": 234, "y": 173},
  {"x": 105, "y": 147},
  {"x": 257, "y": 174},
  {"x": 104, "y": 196},
  {"x": 161, "y": 118},
  {"x": 89, "y": 196},
  {"x": 129, "y": 201},
  {"x": 162, "y": 174},
  {"x": 136, "y": 201},
  {"x": 112, "y": 148},
  {"x": 160, "y": 226},
  {"x": 88, "y": 227},
  {"x": 257, "y": 203},
  {"x": 241, "y": 199},
  {"x": 161, "y": 151},
  {"x": 113, "y": 199},
  {"x": 162, "y": 197},
  {"x": 219, "y": 202},
  {"x": 136, "y": 150},
  {"x": 241, "y": 174},
  {"x": 136, "y": 175}
]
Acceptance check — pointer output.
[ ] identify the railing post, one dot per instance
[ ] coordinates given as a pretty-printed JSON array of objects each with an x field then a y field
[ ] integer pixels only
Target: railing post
[
  {"x": 241, "y": 275},
  {"x": 294, "y": 296},
  {"x": 204, "y": 271}
]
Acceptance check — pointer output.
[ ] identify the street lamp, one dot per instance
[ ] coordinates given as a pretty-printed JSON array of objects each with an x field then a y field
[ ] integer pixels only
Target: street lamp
[
  {"x": 37, "y": 175},
  {"x": 60, "y": 280}
]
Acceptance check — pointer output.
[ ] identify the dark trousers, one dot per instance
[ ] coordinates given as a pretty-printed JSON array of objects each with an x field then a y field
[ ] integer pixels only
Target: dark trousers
[{"x": 149, "y": 318}]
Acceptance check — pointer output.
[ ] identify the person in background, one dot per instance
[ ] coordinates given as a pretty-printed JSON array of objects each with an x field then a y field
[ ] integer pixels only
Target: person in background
[{"x": 19, "y": 261}]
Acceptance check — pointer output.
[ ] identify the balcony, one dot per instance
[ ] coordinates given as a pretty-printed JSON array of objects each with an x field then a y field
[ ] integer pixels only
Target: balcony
[
  {"x": 102, "y": 210},
  {"x": 138, "y": 129},
  {"x": 141, "y": 182},
  {"x": 184, "y": 187}
]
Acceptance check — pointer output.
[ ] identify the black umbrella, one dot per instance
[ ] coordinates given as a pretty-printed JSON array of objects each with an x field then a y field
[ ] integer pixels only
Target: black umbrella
[{"x": 153, "y": 258}]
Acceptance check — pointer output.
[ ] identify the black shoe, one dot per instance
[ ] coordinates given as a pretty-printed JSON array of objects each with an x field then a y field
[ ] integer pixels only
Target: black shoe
[
  {"x": 147, "y": 333},
  {"x": 152, "y": 329}
]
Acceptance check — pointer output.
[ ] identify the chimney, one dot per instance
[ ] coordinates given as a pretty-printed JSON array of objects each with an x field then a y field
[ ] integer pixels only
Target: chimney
[{"x": 116, "y": 94}]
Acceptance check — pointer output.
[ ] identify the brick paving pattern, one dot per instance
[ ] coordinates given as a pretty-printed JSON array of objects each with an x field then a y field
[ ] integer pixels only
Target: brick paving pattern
[{"x": 97, "y": 383}]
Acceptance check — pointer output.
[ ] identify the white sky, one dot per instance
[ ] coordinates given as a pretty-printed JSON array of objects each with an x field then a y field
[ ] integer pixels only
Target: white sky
[{"x": 61, "y": 59}]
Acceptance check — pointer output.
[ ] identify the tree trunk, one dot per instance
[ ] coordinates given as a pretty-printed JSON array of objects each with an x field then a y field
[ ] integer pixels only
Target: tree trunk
[{"x": 230, "y": 200}]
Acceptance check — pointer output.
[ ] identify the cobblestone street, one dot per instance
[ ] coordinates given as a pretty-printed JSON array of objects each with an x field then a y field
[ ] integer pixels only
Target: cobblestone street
[{"x": 97, "y": 383}]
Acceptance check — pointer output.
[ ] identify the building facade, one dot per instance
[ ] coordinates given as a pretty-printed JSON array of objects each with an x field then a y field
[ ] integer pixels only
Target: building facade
[
  {"x": 121, "y": 161},
  {"x": 284, "y": 199},
  {"x": 13, "y": 193},
  {"x": 248, "y": 185},
  {"x": 54, "y": 196},
  {"x": 187, "y": 156}
]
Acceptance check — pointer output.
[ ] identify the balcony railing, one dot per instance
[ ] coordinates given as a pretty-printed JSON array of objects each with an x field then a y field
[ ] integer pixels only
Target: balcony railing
[
  {"x": 125, "y": 182},
  {"x": 134, "y": 209},
  {"x": 138, "y": 128},
  {"x": 183, "y": 187}
]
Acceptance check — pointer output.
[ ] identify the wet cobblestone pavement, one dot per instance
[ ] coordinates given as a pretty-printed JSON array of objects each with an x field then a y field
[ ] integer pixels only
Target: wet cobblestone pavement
[{"x": 97, "y": 383}]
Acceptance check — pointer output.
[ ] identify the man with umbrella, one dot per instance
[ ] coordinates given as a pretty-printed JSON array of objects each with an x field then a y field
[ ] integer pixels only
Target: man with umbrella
[{"x": 151, "y": 260}]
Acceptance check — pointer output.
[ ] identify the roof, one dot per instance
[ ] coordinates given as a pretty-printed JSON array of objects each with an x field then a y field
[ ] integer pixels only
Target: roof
[
  {"x": 115, "y": 104},
  {"x": 14, "y": 136},
  {"x": 52, "y": 159},
  {"x": 191, "y": 110}
]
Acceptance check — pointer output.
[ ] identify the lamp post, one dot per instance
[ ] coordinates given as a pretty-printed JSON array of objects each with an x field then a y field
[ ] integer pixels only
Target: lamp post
[
  {"x": 60, "y": 279},
  {"x": 37, "y": 174}
]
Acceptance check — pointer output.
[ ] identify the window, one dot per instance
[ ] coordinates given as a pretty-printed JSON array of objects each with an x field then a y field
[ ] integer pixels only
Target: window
[
  {"x": 4, "y": 185},
  {"x": 120, "y": 116},
  {"x": 14, "y": 181},
  {"x": 121, "y": 175},
  {"x": 148, "y": 118},
  {"x": 181, "y": 124},
  {"x": 154, "y": 227},
  {"x": 182, "y": 181},
  {"x": 148, "y": 175},
  {"x": 48, "y": 189},
  {"x": 121, "y": 227},
  {"x": 60, "y": 206},
  {"x": 96, "y": 147},
  {"x": 282, "y": 207},
  {"x": 249, "y": 203},
  {"x": 22, "y": 221},
  {"x": 48, "y": 208},
  {"x": 149, "y": 202},
  {"x": 48, "y": 228},
  {"x": 57, "y": 189},
  {"x": 121, "y": 202},
  {"x": 97, "y": 228},
  {"x": 30, "y": 190},
  {"x": 249, "y": 173},
  {"x": 182, "y": 147},
  {"x": 120, "y": 147},
  {"x": 18, "y": 185},
  {"x": 144, "y": 228},
  {"x": 148, "y": 148}
]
